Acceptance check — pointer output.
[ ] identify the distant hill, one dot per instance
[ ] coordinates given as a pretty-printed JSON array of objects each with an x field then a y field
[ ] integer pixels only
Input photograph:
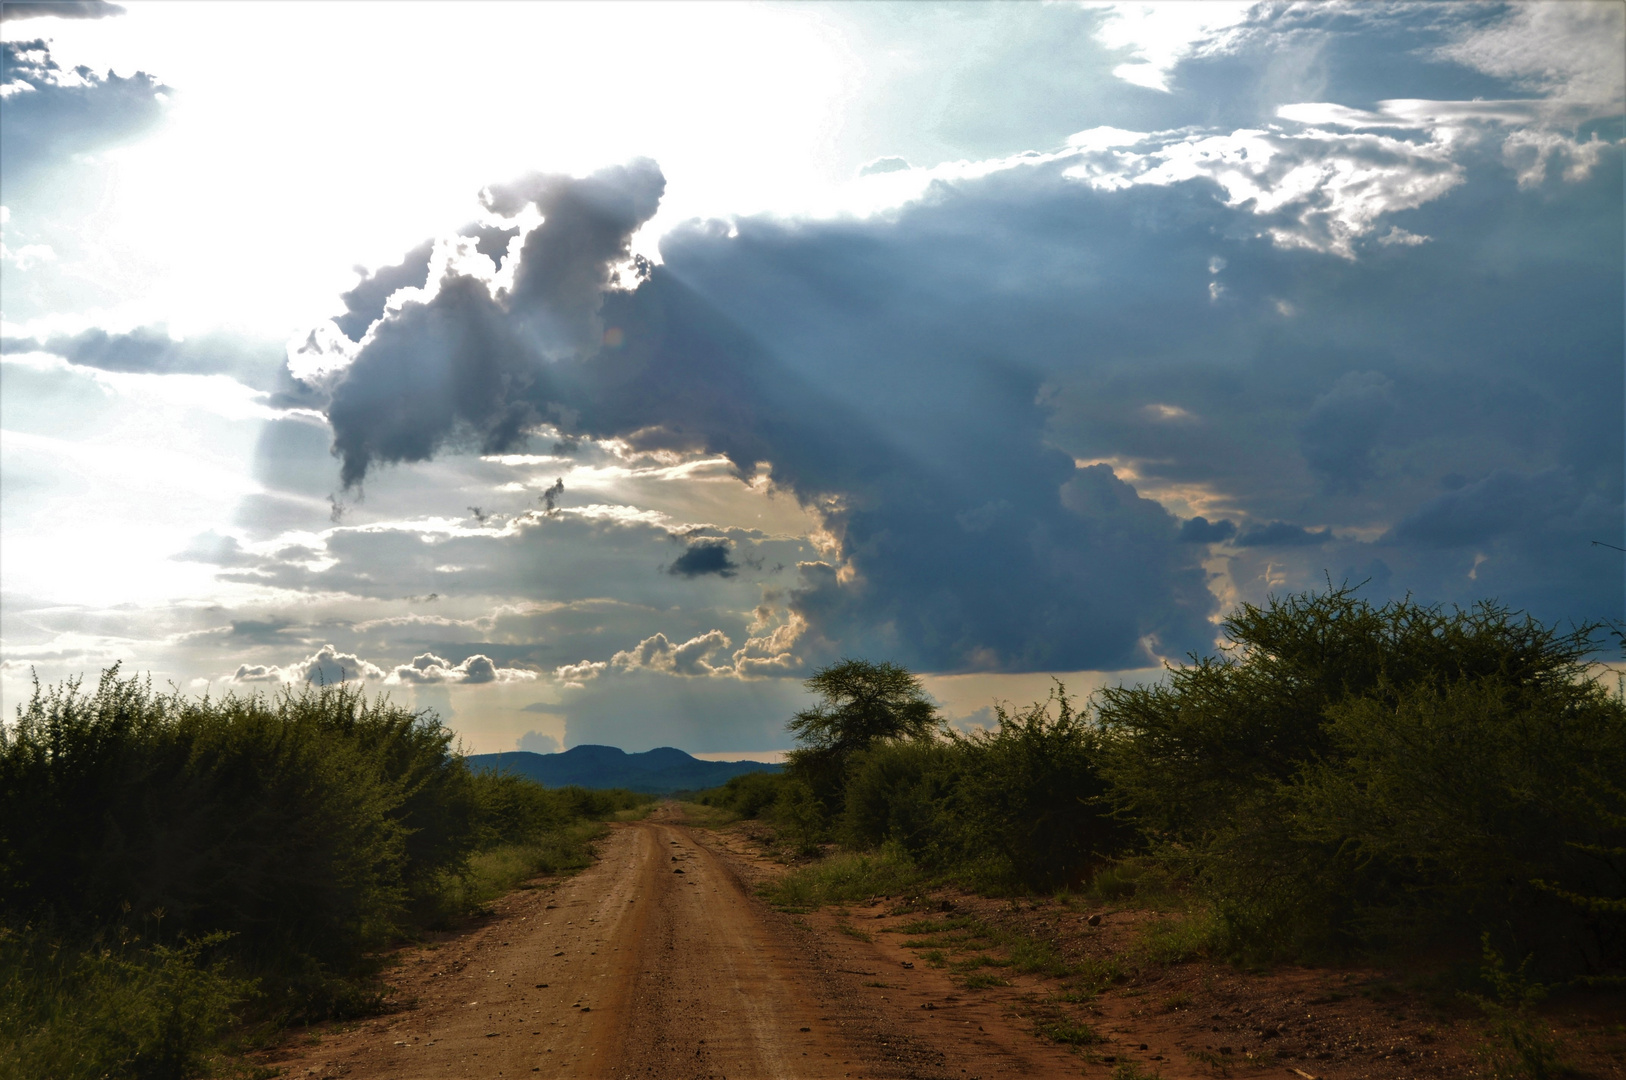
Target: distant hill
[{"x": 657, "y": 772}]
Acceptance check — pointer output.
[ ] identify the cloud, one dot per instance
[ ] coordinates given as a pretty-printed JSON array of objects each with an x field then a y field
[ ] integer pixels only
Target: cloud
[
  {"x": 578, "y": 674},
  {"x": 478, "y": 668},
  {"x": 472, "y": 362},
  {"x": 1317, "y": 189},
  {"x": 13, "y": 10},
  {"x": 1199, "y": 530},
  {"x": 364, "y": 304},
  {"x": 1502, "y": 502},
  {"x": 151, "y": 350},
  {"x": 50, "y": 114},
  {"x": 1282, "y": 534},
  {"x": 767, "y": 651},
  {"x": 217, "y": 550},
  {"x": 709, "y": 557},
  {"x": 536, "y": 742},
  {"x": 1567, "y": 52},
  {"x": 1033, "y": 501},
  {"x": 326, "y": 667},
  {"x": 657, "y": 653},
  {"x": 1159, "y": 36},
  {"x": 884, "y": 165},
  {"x": 1345, "y": 426},
  {"x": 471, "y": 366}
]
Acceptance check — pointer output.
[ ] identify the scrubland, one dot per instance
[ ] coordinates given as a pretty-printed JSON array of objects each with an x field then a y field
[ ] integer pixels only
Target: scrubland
[
  {"x": 1346, "y": 786},
  {"x": 180, "y": 879}
]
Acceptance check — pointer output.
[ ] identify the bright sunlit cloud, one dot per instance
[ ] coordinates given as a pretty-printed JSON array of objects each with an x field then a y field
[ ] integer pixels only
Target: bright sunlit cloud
[{"x": 594, "y": 372}]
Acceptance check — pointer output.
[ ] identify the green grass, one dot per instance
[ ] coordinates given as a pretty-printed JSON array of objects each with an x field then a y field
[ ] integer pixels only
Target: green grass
[
  {"x": 1034, "y": 956},
  {"x": 501, "y": 869},
  {"x": 1058, "y": 1027},
  {"x": 972, "y": 963},
  {"x": 847, "y": 877},
  {"x": 1180, "y": 939}
]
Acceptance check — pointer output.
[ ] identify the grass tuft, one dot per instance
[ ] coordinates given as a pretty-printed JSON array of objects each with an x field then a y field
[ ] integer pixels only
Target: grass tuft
[{"x": 849, "y": 877}]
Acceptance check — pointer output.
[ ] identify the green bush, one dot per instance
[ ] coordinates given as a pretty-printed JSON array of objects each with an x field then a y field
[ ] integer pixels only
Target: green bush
[
  {"x": 1353, "y": 775},
  {"x": 306, "y": 825},
  {"x": 904, "y": 793},
  {"x": 279, "y": 842},
  {"x": 1032, "y": 795},
  {"x": 119, "y": 1009},
  {"x": 747, "y": 796},
  {"x": 1022, "y": 805}
]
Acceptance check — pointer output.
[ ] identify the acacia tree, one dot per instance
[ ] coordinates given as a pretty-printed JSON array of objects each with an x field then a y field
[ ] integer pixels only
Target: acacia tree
[{"x": 863, "y": 704}]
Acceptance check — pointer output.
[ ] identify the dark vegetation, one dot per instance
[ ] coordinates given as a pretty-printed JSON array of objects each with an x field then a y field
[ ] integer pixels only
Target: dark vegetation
[
  {"x": 171, "y": 868},
  {"x": 1345, "y": 779}
]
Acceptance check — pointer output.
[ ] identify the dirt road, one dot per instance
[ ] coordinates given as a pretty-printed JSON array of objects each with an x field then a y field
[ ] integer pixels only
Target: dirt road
[{"x": 658, "y": 962}]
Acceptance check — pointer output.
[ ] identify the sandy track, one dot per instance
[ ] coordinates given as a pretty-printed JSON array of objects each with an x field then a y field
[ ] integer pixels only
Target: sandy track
[{"x": 655, "y": 962}]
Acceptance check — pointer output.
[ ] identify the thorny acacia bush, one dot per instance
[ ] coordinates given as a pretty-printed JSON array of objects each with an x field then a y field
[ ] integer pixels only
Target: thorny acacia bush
[
  {"x": 309, "y": 826},
  {"x": 289, "y": 838},
  {"x": 1020, "y": 805},
  {"x": 748, "y": 796},
  {"x": 1348, "y": 774},
  {"x": 112, "y": 1009}
]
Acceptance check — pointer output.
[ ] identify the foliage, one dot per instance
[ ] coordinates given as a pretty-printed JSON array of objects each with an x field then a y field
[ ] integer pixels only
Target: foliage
[
  {"x": 904, "y": 793},
  {"x": 307, "y": 825},
  {"x": 1520, "y": 1046},
  {"x": 276, "y": 843},
  {"x": 116, "y": 1009},
  {"x": 848, "y": 877},
  {"x": 1023, "y": 804},
  {"x": 1033, "y": 794},
  {"x": 1357, "y": 775},
  {"x": 746, "y": 796},
  {"x": 864, "y": 704}
]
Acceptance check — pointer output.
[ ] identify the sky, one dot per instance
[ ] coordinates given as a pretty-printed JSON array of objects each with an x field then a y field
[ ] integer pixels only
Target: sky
[{"x": 594, "y": 373}]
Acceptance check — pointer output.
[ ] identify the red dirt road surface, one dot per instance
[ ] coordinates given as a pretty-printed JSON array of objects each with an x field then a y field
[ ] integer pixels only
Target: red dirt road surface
[{"x": 658, "y": 962}]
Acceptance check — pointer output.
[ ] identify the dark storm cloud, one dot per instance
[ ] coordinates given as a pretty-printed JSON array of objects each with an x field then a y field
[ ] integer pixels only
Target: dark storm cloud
[
  {"x": 702, "y": 559},
  {"x": 1199, "y": 530},
  {"x": 1314, "y": 389},
  {"x": 1505, "y": 502},
  {"x": 470, "y": 364},
  {"x": 931, "y": 381},
  {"x": 1344, "y": 427},
  {"x": 365, "y": 303},
  {"x": 490, "y": 240},
  {"x": 1086, "y": 569},
  {"x": 50, "y": 114},
  {"x": 150, "y": 350},
  {"x": 1282, "y": 534},
  {"x": 13, "y": 10}
]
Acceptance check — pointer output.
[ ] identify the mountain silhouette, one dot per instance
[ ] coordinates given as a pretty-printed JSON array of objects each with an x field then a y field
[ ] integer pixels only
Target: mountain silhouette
[{"x": 657, "y": 772}]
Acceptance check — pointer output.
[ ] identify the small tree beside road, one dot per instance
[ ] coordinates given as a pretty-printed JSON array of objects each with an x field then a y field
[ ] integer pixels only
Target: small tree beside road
[{"x": 864, "y": 704}]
